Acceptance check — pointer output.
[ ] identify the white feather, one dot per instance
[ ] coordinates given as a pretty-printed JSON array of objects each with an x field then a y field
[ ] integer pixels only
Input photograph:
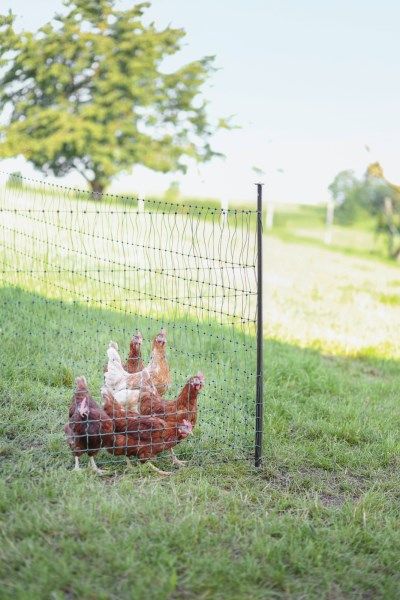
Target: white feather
[
  {"x": 115, "y": 376},
  {"x": 113, "y": 354},
  {"x": 128, "y": 398}
]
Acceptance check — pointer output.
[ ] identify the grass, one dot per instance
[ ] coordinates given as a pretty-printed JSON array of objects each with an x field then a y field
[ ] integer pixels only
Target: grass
[
  {"x": 318, "y": 520},
  {"x": 205, "y": 209},
  {"x": 64, "y": 340},
  {"x": 306, "y": 225}
]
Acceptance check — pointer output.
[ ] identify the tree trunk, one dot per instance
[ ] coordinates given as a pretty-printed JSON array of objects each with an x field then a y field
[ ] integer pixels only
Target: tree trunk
[
  {"x": 97, "y": 188},
  {"x": 395, "y": 254}
]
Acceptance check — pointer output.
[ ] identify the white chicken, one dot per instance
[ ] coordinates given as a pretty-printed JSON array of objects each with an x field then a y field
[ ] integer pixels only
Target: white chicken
[{"x": 126, "y": 387}]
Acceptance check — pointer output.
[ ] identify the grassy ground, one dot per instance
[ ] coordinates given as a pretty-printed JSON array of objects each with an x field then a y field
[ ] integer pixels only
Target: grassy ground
[
  {"x": 318, "y": 520},
  {"x": 306, "y": 225}
]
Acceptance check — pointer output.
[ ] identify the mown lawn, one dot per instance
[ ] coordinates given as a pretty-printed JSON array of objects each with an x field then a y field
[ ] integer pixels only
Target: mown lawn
[{"x": 318, "y": 520}]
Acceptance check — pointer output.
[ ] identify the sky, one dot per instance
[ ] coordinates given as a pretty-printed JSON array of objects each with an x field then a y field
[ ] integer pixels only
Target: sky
[{"x": 313, "y": 87}]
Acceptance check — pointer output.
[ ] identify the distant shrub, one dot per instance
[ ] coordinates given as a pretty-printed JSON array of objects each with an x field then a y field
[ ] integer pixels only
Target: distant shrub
[
  {"x": 173, "y": 193},
  {"x": 372, "y": 195}
]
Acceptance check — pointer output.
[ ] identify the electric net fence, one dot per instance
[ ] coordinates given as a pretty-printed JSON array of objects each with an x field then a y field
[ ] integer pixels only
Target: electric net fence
[{"x": 78, "y": 271}]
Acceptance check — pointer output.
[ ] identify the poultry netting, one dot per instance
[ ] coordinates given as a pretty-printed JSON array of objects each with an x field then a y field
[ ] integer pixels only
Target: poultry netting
[{"x": 79, "y": 271}]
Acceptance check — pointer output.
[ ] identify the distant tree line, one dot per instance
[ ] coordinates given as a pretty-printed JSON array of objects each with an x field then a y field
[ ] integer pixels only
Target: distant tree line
[{"x": 373, "y": 195}]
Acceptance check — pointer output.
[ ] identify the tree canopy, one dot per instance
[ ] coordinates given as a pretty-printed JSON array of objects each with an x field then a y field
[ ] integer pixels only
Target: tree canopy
[
  {"x": 88, "y": 92},
  {"x": 371, "y": 194}
]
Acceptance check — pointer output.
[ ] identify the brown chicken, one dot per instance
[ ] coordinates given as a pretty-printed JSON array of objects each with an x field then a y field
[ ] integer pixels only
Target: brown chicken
[
  {"x": 144, "y": 436},
  {"x": 89, "y": 427},
  {"x": 183, "y": 408},
  {"x": 185, "y": 404},
  {"x": 158, "y": 367},
  {"x": 134, "y": 363},
  {"x": 127, "y": 387},
  {"x": 173, "y": 412}
]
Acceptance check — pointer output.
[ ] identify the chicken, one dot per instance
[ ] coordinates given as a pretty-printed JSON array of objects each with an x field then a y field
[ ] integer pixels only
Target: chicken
[
  {"x": 173, "y": 412},
  {"x": 134, "y": 362},
  {"x": 158, "y": 367},
  {"x": 126, "y": 387},
  {"x": 144, "y": 436},
  {"x": 127, "y": 421},
  {"x": 89, "y": 427},
  {"x": 184, "y": 405}
]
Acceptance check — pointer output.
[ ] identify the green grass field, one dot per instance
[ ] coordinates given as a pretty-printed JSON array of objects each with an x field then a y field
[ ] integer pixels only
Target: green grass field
[
  {"x": 306, "y": 225},
  {"x": 318, "y": 520}
]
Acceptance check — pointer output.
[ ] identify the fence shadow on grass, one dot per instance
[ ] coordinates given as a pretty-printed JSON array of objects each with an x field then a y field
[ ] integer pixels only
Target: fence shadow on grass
[
  {"x": 47, "y": 343},
  {"x": 321, "y": 412}
]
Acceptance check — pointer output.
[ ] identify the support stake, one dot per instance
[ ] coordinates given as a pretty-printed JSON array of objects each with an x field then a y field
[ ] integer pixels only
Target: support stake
[{"x": 260, "y": 339}]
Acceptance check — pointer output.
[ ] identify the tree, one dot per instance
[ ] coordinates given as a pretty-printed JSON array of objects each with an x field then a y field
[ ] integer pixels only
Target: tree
[
  {"x": 384, "y": 200},
  {"x": 88, "y": 92},
  {"x": 371, "y": 195},
  {"x": 377, "y": 189},
  {"x": 346, "y": 192},
  {"x": 344, "y": 182}
]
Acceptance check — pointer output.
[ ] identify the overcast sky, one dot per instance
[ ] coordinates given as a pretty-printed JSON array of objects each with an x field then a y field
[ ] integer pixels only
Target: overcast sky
[{"x": 310, "y": 83}]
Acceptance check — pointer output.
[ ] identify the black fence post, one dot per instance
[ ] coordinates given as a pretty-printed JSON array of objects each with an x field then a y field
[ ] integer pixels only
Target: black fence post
[{"x": 260, "y": 340}]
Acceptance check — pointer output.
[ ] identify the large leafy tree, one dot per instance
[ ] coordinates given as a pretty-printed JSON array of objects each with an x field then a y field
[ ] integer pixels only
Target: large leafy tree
[{"x": 88, "y": 92}]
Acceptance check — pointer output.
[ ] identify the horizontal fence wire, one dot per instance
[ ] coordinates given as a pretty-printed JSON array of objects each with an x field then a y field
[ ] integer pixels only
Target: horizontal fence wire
[{"x": 79, "y": 270}]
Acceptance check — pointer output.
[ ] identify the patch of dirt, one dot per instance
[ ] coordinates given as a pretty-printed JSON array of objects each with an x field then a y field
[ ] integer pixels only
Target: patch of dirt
[
  {"x": 335, "y": 593},
  {"x": 332, "y": 489},
  {"x": 331, "y": 501},
  {"x": 371, "y": 372},
  {"x": 181, "y": 593}
]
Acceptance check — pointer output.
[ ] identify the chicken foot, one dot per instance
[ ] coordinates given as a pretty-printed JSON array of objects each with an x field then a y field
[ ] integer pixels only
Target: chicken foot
[
  {"x": 92, "y": 464},
  {"x": 129, "y": 463},
  {"x": 95, "y": 467},
  {"x": 157, "y": 470},
  {"x": 176, "y": 461}
]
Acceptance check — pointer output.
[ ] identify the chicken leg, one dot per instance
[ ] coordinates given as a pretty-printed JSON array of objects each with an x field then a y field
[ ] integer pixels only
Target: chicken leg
[
  {"x": 95, "y": 467},
  {"x": 159, "y": 471},
  {"x": 176, "y": 461}
]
